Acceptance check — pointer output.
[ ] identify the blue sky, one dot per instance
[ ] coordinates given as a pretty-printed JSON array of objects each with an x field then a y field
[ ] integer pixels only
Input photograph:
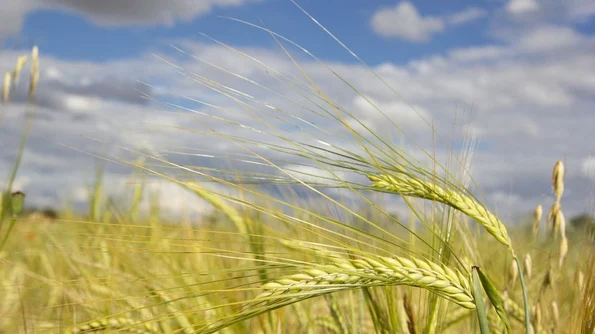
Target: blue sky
[
  {"x": 512, "y": 74},
  {"x": 71, "y": 36}
]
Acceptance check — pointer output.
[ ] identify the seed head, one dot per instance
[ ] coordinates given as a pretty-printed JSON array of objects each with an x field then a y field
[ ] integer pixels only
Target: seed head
[
  {"x": 34, "y": 71},
  {"x": 537, "y": 218},
  {"x": 537, "y": 316},
  {"x": 558, "y": 180},
  {"x": 6, "y": 86},
  {"x": 559, "y": 224},
  {"x": 18, "y": 68},
  {"x": 406, "y": 185},
  {"x": 552, "y": 213}
]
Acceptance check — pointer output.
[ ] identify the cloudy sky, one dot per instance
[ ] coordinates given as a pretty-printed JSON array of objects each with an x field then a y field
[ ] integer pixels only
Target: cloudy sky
[{"x": 516, "y": 75}]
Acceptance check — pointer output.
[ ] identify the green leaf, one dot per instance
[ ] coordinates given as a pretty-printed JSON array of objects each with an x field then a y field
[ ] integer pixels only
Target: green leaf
[
  {"x": 482, "y": 315},
  {"x": 494, "y": 297}
]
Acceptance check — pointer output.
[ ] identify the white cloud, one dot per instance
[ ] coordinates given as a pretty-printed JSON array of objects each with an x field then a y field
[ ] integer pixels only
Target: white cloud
[
  {"x": 314, "y": 174},
  {"x": 113, "y": 12},
  {"x": 404, "y": 21},
  {"x": 411, "y": 117},
  {"x": 12, "y": 16},
  {"x": 588, "y": 168},
  {"x": 547, "y": 95},
  {"x": 127, "y": 12},
  {"x": 479, "y": 53},
  {"x": 79, "y": 103},
  {"x": 467, "y": 15},
  {"x": 549, "y": 37},
  {"x": 580, "y": 10},
  {"x": 518, "y": 7},
  {"x": 531, "y": 105}
]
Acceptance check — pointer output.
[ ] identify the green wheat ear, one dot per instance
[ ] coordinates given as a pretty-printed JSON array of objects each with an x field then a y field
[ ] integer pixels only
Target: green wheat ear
[
  {"x": 408, "y": 186},
  {"x": 342, "y": 273}
]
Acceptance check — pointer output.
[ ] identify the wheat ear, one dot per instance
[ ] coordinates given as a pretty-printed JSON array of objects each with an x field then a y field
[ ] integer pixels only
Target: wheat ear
[
  {"x": 406, "y": 185},
  {"x": 409, "y": 186},
  {"x": 342, "y": 274},
  {"x": 117, "y": 324}
]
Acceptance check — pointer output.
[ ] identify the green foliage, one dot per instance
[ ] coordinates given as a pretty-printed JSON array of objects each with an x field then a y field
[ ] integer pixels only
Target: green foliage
[
  {"x": 494, "y": 296},
  {"x": 482, "y": 315}
]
